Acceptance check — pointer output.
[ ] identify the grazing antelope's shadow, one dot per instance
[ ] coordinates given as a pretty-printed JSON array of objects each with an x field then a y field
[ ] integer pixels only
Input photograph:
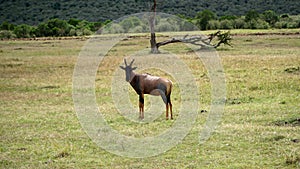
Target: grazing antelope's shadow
[{"x": 148, "y": 84}]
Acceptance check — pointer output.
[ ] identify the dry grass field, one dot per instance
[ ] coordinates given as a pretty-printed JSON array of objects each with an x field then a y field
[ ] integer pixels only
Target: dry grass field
[{"x": 260, "y": 127}]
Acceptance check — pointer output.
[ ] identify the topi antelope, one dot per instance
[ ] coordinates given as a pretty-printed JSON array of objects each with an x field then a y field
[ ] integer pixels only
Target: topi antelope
[{"x": 148, "y": 84}]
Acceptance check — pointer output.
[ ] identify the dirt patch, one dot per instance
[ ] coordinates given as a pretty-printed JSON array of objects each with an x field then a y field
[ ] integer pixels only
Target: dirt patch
[
  {"x": 293, "y": 159},
  {"x": 234, "y": 101},
  {"x": 10, "y": 65},
  {"x": 288, "y": 122},
  {"x": 49, "y": 87},
  {"x": 292, "y": 70},
  {"x": 62, "y": 155}
]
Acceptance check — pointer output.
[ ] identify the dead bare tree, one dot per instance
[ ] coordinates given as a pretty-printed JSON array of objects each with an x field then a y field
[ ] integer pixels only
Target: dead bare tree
[
  {"x": 202, "y": 41},
  {"x": 154, "y": 48}
]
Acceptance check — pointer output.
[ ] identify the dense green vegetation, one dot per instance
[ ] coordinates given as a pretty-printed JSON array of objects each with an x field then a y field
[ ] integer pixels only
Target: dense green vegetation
[
  {"x": 20, "y": 19},
  {"x": 204, "y": 20},
  {"x": 51, "y": 28},
  {"x": 33, "y": 12},
  {"x": 252, "y": 20}
]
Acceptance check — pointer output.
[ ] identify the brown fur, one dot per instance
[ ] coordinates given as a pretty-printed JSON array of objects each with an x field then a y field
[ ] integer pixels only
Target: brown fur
[{"x": 148, "y": 84}]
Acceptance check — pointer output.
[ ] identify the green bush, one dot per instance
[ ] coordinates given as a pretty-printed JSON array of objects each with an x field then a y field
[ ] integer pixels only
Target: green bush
[
  {"x": 6, "y": 34},
  {"x": 7, "y": 26},
  {"x": 281, "y": 25},
  {"x": 270, "y": 16},
  {"x": 83, "y": 32},
  {"x": 23, "y": 31},
  {"x": 239, "y": 23},
  {"x": 130, "y": 23},
  {"x": 203, "y": 18},
  {"x": 257, "y": 24},
  {"x": 43, "y": 30},
  {"x": 138, "y": 29},
  {"x": 251, "y": 15},
  {"x": 187, "y": 26},
  {"x": 228, "y": 17},
  {"x": 292, "y": 25},
  {"x": 86, "y": 32},
  {"x": 166, "y": 27},
  {"x": 113, "y": 28},
  {"x": 58, "y": 27},
  {"x": 286, "y": 25},
  {"x": 53, "y": 27},
  {"x": 72, "y": 32},
  {"x": 74, "y": 22},
  {"x": 213, "y": 25},
  {"x": 226, "y": 24}
]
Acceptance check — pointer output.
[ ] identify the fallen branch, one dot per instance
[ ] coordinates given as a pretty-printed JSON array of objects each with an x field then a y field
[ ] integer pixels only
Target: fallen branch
[{"x": 202, "y": 41}]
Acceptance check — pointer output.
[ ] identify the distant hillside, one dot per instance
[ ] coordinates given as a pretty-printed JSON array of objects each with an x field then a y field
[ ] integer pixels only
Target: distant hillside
[{"x": 35, "y": 11}]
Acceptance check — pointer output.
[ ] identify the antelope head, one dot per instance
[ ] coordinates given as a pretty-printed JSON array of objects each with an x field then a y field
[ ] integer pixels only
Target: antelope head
[{"x": 128, "y": 69}]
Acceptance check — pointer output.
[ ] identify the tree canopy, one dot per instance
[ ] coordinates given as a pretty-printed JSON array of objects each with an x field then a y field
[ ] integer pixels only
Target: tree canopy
[
  {"x": 204, "y": 17},
  {"x": 33, "y": 12}
]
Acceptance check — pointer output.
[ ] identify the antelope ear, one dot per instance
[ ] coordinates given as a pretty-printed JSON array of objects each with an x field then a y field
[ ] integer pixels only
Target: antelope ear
[
  {"x": 134, "y": 68},
  {"x": 122, "y": 67}
]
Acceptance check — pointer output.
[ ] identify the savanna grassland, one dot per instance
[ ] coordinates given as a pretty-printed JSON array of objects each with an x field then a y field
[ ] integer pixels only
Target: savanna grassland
[{"x": 260, "y": 126}]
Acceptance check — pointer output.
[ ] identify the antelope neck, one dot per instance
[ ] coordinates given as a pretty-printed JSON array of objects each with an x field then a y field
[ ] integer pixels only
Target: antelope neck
[{"x": 132, "y": 74}]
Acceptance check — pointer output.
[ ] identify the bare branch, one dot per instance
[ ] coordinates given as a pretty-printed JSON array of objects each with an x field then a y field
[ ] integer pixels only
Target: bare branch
[
  {"x": 224, "y": 38},
  {"x": 195, "y": 40},
  {"x": 202, "y": 41}
]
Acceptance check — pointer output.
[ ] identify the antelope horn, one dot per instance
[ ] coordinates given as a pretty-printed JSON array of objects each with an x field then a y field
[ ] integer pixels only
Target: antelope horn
[
  {"x": 125, "y": 62},
  {"x": 131, "y": 62}
]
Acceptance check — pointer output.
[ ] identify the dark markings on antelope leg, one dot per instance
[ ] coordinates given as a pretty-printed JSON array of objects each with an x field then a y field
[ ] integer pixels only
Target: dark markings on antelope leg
[{"x": 141, "y": 99}]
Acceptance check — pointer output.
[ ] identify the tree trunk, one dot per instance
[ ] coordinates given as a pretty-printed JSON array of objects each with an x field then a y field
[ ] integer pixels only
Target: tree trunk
[{"x": 154, "y": 48}]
